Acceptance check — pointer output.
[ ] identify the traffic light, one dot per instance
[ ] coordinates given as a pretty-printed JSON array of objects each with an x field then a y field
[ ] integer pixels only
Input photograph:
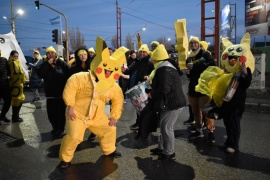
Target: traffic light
[
  {"x": 37, "y": 5},
  {"x": 55, "y": 36},
  {"x": 65, "y": 44}
]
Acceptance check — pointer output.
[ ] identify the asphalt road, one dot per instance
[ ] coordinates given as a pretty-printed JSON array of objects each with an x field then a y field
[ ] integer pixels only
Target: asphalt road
[{"x": 28, "y": 151}]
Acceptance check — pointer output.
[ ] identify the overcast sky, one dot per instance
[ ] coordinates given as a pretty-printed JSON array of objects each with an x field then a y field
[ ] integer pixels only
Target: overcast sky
[{"x": 98, "y": 18}]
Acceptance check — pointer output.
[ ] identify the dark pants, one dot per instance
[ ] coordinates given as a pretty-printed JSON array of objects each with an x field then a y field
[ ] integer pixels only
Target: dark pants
[
  {"x": 5, "y": 94},
  {"x": 147, "y": 120},
  {"x": 233, "y": 129},
  {"x": 124, "y": 84},
  {"x": 56, "y": 110}
]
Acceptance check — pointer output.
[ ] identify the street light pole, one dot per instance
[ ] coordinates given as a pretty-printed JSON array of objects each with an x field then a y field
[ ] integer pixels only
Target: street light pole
[
  {"x": 66, "y": 32},
  {"x": 12, "y": 18}
]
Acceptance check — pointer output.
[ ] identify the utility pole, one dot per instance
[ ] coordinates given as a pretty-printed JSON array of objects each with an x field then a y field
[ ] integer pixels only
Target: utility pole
[{"x": 118, "y": 26}]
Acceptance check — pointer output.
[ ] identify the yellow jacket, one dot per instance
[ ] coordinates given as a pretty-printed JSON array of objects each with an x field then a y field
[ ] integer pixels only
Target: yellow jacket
[
  {"x": 80, "y": 93},
  {"x": 16, "y": 81}
]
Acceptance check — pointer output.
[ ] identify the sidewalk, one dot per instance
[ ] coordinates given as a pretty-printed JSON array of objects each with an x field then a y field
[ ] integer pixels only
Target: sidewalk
[{"x": 258, "y": 100}]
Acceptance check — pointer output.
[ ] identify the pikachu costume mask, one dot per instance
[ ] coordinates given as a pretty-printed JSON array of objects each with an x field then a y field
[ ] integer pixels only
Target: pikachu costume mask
[
  {"x": 88, "y": 97},
  {"x": 214, "y": 81},
  {"x": 107, "y": 68}
]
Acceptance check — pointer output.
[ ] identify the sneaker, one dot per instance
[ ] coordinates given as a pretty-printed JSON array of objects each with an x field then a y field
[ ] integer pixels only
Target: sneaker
[
  {"x": 230, "y": 150},
  {"x": 196, "y": 135},
  {"x": 134, "y": 127},
  {"x": 211, "y": 137},
  {"x": 156, "y": 151},
  {"x": 193, "y": 129},
  {"x": 4, "y": 120},
  {"x": 63, "y": 164},
  {"x": 92, "y": 137},
  {"x": 115, "y": 154},
  {"x": 189, "y": 122},
  {"x": 164, "y": 157}
]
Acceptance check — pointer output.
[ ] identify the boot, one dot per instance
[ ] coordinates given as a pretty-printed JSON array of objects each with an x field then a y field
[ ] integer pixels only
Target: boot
[{"x": 15, "y": 114}]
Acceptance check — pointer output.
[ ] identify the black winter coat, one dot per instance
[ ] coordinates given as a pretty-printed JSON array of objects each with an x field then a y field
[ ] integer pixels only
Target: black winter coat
[
  {"x": 54, "y": 78},
  {"x": 35, "y": 80},
  {"x": 239, "y": 98},
  {"x": 4, "y": 71},
  {"x": 200, "y": 63},
  {"x": 143, "y": 67},
  {"x": 167, "y": 88}
]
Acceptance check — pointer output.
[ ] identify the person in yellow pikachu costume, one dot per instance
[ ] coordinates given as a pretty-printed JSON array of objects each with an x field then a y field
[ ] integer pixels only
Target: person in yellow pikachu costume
[
  {"x": 86, "y": 94},
  {"x": 227, "y": 87},
  {"x": 16, "y": 82}
]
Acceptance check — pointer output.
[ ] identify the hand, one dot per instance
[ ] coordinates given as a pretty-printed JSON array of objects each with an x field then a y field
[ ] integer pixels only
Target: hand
[
  {"x": 149, "y": 95},
  {"x": 123, "y": 69},
  {"x": 70, "y": 113},
  {"x": 244, "y": 68},
  {"x": 146, "y": 78},
  {"x": 138, "y": 37},
  {"x": 50, "y": 61},
  {"x": 112, "y": 122}
]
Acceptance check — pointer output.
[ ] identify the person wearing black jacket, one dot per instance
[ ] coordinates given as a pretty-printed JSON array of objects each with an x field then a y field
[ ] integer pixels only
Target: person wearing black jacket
[
  {"x": 197, "y": 62},
  {"x": 55, "y": 73},
  {"x": 4, "y": 89},
  {"x": 169, "y": 100},
  {"x": 138, "y": 72}
]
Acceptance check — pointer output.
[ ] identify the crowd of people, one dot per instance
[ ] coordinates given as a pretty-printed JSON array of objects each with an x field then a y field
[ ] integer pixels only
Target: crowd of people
[{"x": 77, "y": 92}]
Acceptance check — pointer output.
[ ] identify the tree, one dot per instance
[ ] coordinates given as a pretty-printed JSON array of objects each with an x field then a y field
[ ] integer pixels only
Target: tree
[
  {"x": 76, "y": 39},
  {"x": 129, "y": 43},
  {"x": 166, "y": 43},
  {"x": 114, "y": 42}
]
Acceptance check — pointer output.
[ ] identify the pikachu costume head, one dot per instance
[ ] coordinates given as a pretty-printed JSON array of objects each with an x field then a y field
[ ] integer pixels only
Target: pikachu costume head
[
  {"x": 234, "y": 55},
  {"x": 107, "y": 68}
]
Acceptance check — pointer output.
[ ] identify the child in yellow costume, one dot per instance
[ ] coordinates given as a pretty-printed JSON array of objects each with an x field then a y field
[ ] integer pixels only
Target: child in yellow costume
[
  {"x": 16, "y": 82},
  {"x": 227, "y": 87},
  {"x": 85, "y": 95}
]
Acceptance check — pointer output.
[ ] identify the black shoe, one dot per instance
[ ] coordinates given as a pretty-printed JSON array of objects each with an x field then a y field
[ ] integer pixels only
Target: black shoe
[
  {"x": 189, "y": 122},
  {"x": 137, "y": 136},
  {"x": 211, "y": 137},
  {"x": 4, "y": 120},
  {"x": 164, "y": 157},
  {"x": 57, "y": 134},
  {"x": 115, "y": 154},
  {"x": 197, "y": 134},
  {"x": 156, "y": 151},
  {"x": 17, "y": 120},
  {"x": 92, "y": 137},
  {"x": 134, "y": 127},
  {"x": 64, "y": 165}
]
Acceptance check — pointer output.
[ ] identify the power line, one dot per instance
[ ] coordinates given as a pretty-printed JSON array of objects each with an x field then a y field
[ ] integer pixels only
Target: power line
[{"x": 148, "y": 21}]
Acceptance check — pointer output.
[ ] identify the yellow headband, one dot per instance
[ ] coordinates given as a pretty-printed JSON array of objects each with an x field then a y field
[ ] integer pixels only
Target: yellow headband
[{"x": 82, "y": 51}]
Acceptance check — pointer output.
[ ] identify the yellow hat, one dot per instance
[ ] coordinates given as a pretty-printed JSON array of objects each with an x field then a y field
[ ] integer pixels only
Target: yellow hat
[
  {"x": 155, "y": 42},
  {"x": 91, "y": 50},
  {"x": 36, "y": 51},
  {"x": 204, "y": 45},
  {"x": 82, "y": 51},
  {"x": 194, "y": 38},
  {"x": 144, "y": 47},
  {"x": 50, "y": 49},
  {"x": 160, "y": 53}
]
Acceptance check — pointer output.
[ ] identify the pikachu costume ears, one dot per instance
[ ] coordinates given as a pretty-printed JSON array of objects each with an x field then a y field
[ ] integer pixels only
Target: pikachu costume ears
[
  {"x": 234, "y": 55},
  {"x": 107, "y": 68}
]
